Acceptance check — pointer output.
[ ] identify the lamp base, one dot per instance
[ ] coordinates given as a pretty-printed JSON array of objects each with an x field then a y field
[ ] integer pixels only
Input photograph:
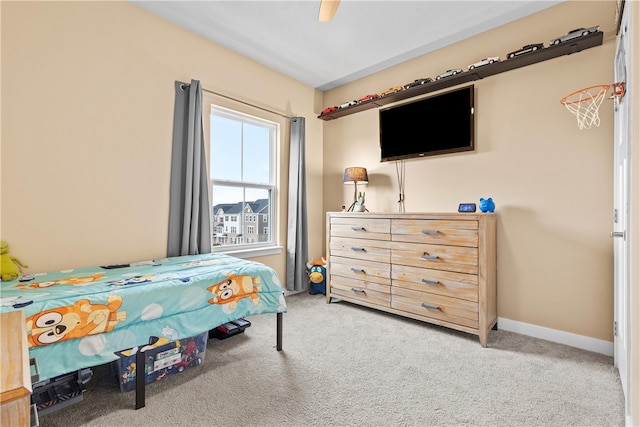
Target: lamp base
[{"x": 357, "y": 208}]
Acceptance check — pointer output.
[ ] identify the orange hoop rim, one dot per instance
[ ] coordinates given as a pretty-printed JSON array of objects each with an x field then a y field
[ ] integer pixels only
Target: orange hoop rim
[{"x": 618, "y": 90}]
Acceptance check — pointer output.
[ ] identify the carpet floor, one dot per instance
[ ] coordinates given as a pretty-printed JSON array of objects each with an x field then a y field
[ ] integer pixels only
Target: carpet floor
[{"x": 346, "y": 365}]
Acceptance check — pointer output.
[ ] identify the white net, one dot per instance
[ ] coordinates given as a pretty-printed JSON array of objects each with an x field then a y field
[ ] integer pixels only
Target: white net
[{"x": 584, "y": 104}]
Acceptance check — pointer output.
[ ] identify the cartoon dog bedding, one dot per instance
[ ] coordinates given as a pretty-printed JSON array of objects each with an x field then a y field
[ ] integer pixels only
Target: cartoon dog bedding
[{"x": 85, "y": 317}]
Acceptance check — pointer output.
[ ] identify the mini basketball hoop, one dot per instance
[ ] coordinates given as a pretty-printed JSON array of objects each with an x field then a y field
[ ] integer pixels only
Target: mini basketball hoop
[{"x": 585, "y": 103}]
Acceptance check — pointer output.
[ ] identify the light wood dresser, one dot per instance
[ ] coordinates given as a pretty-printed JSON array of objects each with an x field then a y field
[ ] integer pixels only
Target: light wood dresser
[
  {"x": 15, "y": 375},
  {"x": 435, "y": 267}
]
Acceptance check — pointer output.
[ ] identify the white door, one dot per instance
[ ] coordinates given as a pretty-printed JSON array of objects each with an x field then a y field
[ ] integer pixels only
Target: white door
[{"x": 621, "y": 247}]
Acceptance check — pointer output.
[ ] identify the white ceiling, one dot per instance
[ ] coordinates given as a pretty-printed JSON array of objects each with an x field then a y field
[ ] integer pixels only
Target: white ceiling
[{"x": 364, "y": 37}]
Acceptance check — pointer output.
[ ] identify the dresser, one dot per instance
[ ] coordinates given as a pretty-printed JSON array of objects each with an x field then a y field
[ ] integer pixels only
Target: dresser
[
  {"x": 434, "y": 267},
  {"x": 15, "y": 375}
]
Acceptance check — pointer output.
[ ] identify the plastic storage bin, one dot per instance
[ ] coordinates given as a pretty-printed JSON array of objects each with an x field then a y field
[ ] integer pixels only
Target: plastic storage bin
[
  {"x": 161, "y": 361},
  {"x": 60, "y": 392}
]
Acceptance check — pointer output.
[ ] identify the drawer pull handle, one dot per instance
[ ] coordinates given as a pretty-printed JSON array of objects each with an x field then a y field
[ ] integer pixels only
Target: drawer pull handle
[
  {"x": 430, "y": 232},
  {"x": 430, "y": 307},
  {"x": 358, "y": 229},
  {"x": 357, "y": 270},
  {"x": 427, "y": 256},
  {"x": 430, "y": 282},
  {"x": 356, "y": 249},
  {"x": 358, "y": 291}
]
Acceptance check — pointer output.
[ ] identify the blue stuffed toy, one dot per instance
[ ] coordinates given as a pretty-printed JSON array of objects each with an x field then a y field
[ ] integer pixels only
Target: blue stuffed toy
[
  {"x": 317, "y": 277},
  {"x": 487, "y": 205}
]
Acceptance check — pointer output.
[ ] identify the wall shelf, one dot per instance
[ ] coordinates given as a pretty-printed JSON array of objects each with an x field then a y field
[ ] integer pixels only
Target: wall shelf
[{"x": 566, "y": 48}]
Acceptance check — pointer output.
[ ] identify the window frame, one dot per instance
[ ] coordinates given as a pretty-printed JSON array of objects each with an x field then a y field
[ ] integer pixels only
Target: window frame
[{"x": 259, "y": 248}]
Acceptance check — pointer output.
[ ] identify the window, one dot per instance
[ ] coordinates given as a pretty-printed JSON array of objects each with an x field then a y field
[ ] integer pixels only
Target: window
[{"x": 242, "y": 153}]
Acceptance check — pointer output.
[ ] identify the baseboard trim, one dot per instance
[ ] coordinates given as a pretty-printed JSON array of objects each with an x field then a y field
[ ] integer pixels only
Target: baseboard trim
[{"x": 554, "y": 335}]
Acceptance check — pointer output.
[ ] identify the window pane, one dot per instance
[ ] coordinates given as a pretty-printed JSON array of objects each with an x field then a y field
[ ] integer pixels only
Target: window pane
[
  {"x": 227, "y": 204},
  {"x": 256, "y": 161},
  {"x": 258, "y": 202},
  {"x": 240, "y": 219},
  {"x": 226, "y": 138}
]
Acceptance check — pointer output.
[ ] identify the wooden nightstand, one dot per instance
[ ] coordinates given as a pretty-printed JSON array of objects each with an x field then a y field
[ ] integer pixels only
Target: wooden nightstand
[{"x": 15, "y": 376}]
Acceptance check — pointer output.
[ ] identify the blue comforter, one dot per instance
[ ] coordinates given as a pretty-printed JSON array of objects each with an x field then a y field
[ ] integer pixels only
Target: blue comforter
[{"x": 85, "y": 317}]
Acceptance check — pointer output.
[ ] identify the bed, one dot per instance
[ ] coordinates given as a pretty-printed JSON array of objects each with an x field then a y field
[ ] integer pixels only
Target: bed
[{"x": 85, "y": 317}]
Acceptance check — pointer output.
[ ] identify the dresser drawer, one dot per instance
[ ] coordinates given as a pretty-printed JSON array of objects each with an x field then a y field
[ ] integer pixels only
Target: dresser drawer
[
  {"x": 371, "y": 271},
  {"x": 460, "y": 259},
  {"x": 449, "y": 309},
  {"x": 361, "y": 228},
  {"x": 447, "y": 283},
  {"x": 440, "y": 232},
  {"x": 361, "y": 249},
  {"x": 373, "y": 293}
]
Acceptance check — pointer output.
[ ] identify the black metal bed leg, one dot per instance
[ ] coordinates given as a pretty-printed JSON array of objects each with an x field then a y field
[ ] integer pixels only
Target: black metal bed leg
[
  {"x": 140, "y": 379},
  {"x": 279, "y": 331}
]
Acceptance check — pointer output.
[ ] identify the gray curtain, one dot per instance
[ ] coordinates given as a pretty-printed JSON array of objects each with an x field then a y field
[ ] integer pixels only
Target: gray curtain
[
  {"x": 189, "y": 206},
  {"x": 297, "y": 241}
]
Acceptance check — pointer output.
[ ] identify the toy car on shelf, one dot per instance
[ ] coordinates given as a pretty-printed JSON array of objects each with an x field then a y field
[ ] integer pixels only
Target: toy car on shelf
[
  {"x": 418, "y": 82},
  {"x": 574, "y": 34},
  {"x": 369, "y": 97},
  {"x": 448, "y": 73},
  {"x": 347, "y": 104},
  {"x": 483, "y": 62},
  {"x": 392, "y": 90},
  {"x": 525, "y": 49},
  {"x": 329, "y": 110}
]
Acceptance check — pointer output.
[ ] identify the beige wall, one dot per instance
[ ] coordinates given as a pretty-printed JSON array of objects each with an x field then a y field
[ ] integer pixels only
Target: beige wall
[
  {"x": 87, "y": 117},
  {"x": 552, "y": 183}
]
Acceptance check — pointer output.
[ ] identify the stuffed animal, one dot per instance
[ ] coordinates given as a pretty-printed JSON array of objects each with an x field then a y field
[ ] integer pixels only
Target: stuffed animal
[
  {"x": 487, "y": 205},
  {"x": 317, "y": 277},
  {"x": 10, "y": 265}
]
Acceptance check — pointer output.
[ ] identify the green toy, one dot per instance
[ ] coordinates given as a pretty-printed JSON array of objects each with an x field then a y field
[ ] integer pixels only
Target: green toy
[{"x": 9, "y": 265}]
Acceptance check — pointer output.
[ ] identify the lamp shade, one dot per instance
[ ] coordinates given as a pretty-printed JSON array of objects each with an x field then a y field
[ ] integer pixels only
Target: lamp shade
[{"x": 355, "y": 174}]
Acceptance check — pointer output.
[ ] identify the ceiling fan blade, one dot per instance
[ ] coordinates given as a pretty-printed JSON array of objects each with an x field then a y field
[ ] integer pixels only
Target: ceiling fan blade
[{"x": 327, "y": 9}]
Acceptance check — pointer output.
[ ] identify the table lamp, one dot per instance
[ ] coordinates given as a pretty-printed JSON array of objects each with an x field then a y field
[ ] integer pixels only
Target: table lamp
[{"x": 355, "y": 175}]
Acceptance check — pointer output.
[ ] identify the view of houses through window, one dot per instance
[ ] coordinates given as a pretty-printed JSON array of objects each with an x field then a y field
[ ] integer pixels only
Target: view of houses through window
[
  {"x": 242, "y": 178},
  {"x": 241, "y": 223}
]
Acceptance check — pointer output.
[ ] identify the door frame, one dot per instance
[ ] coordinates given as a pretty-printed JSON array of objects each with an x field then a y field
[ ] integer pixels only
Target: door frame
[{"x": 621, "y": 202}]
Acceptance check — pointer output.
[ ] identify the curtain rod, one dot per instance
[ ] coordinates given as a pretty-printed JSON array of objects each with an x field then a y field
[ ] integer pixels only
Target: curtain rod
[{"x": 183, "y": 85}]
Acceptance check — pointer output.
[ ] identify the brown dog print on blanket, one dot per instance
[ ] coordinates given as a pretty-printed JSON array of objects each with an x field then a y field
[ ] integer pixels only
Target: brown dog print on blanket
[
  {"x": 74, "y": 321},
  {"x": 233, "y": 289}
]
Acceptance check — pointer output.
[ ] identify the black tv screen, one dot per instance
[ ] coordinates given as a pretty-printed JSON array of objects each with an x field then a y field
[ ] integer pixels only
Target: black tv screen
[{"x": 436, "y": 125}]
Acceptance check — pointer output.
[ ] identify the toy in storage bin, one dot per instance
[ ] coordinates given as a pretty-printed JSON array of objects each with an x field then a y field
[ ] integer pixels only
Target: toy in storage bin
[{"x": 161, "y": 361}]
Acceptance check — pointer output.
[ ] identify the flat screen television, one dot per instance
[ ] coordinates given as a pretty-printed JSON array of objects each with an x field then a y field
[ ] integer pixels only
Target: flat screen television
[{"x": 439, "y": 124}]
